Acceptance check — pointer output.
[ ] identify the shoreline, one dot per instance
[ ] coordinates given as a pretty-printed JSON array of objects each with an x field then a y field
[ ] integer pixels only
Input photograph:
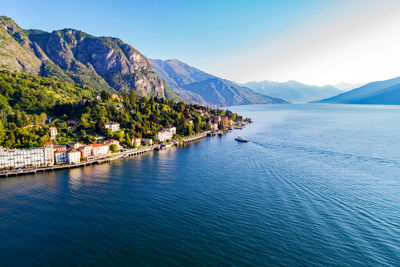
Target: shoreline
[{"x": 110, "y": 158}]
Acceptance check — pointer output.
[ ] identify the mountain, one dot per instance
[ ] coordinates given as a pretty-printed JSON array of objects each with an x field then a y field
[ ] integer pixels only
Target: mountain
[
  {"x": 381, "y": 92},
  {"x": 74, "y": 56},
  {"x": 293, "y": 91},
  {"x": 347, "y": 86},
  {"x": 198, "y": 86}
]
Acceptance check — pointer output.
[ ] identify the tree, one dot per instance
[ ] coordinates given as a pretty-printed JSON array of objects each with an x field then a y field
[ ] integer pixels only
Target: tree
[
  {"x": 100, "y": 126},
  {"x": 105, "y": 95},
  {"x": 114, "y": 148},
  {"x": 128, "y": 140},
  {"x": 2, "y": 132}
]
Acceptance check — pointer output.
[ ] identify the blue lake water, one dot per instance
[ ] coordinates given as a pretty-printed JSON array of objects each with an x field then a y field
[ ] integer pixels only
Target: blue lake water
[{"x": 316, "y": 185}]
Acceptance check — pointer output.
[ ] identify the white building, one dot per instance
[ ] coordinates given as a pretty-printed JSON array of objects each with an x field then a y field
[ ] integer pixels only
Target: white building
[
  {"x": 136, "y": 142},
  {"x": 166, "y": 133},
  {"x": 49, "y": 153},
  {"x": 18, "y": 158},
  {"x": 214, "y": 126},
  {"x": 53, "y": 133},
  {"x": 86, "y": 151},
  {"x": 99, "y": 150},
  {"x": 113, "y": 126},
  {"x": 74, "y": 156}
]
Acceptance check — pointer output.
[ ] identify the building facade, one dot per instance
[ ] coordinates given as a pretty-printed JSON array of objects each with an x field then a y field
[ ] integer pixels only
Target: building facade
[
  {"x": 61, "y": 156},
  {"x": 166, "y": 134},
  {"x": 86, "y": 152},
  {"x": 74, "y": 156},
  {"x": 113, "y": 126},
  {"x": 53, "y": 133},
  {"x": 99, "y": 150},
  {"x": 18, "y": 158}
]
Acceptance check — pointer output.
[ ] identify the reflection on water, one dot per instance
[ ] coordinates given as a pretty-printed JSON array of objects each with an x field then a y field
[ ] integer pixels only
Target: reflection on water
[{"x": 317, "y": 185}]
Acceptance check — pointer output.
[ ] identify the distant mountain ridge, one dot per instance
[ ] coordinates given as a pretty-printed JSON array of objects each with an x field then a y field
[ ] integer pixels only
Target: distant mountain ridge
[
  {"x": 195, "y": 85},
  {"x": 293, "y": 91},
  {"x": 75, "y": 56},
  {"x": 381, "y": 92}
]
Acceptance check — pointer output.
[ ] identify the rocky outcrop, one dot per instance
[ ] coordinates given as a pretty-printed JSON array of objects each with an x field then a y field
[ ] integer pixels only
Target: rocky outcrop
[{"x": 100, "y": 62}]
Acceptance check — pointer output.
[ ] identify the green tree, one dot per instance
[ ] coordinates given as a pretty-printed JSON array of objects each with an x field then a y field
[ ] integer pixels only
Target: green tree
[{"x": 114, "y": 148}]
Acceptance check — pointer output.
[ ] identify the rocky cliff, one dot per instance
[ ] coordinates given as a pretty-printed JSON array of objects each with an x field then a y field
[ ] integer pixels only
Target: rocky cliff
[{"x": 72, "y": 55}]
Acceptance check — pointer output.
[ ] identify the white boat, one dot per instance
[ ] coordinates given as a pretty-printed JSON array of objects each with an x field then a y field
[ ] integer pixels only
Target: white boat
[{"x": 241, "y": 139}]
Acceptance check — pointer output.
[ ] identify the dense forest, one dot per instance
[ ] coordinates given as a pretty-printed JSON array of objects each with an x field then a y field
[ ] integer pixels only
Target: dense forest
[{"x": 29, "y": 105}]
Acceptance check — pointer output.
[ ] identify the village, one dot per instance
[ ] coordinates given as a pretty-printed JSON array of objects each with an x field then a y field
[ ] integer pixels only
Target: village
[{"x": 21, "y": 161}]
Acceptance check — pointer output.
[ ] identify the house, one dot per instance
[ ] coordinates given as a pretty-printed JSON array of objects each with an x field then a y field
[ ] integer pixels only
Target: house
[
  {"x": 115, "y": 97},
  {"x": 224, "y": 121},
  {"x": 75, "y": 145},
  {"x": 166, "y": 133},
  {"x": 99, "y": 150},
  {"x": 61, "y": 156},
  {"x": 86, "y": 152},
  {"x": 136, "y": 142},
  {"x": 214, "y": 126},
  {"x": 49, "y": 153},
  {"x": 163, "y": 135},
  {"x": 113, "y": 126},
  {"x": 53, "y": 133},
  {"x": 74, "y": 156},
  {"x": 216, "y": 119}
]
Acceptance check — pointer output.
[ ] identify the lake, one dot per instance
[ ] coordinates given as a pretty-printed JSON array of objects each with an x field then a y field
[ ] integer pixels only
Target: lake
[{"x": 316, "y": 185}]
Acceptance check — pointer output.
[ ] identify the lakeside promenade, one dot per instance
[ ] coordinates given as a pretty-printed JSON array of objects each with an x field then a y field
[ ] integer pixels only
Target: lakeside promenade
[{"x": 112, "y": 157}]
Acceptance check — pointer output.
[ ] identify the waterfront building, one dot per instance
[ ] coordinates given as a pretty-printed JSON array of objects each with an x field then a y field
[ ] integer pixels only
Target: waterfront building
[
  {"x": 18, "y": 158},
  {"x": 216, "y": 119},
  {"x": 49, "y": 153},
  {"x": 214, "y": 126},
  {"x": 86, "y": 151},
  {"x": 113, "y": 126},
  {"x": 224, "y": 121},
  {"x": 166, "y": 133},
  {"x": 74, "y": 156},
  {"x": 53, "y": 133},
  {"x": 61, "y": 156},
  {"x": 99, "y": 150},
  {"x": 136, "y": 142}
]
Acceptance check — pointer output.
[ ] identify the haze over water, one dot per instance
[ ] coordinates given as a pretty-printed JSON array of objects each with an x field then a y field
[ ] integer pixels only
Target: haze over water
[{"x": 316, "y": 185}]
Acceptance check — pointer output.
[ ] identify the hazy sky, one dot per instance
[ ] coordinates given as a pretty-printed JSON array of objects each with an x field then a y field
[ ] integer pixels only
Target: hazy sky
[{"x": 317, "y": 42}]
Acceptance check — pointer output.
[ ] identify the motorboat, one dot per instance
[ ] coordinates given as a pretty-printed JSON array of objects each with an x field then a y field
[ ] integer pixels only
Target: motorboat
[{"x": 241, "y": 139}]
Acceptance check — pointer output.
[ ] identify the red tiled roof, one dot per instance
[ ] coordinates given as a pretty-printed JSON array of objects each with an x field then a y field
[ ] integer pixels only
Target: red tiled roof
[
  {"x": 48, "y": 143},
  {"x": 97, "y": 145}
]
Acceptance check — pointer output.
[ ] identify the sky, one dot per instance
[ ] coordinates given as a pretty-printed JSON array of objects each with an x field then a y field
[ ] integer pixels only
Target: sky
[{"x": 311, "y": 41}]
